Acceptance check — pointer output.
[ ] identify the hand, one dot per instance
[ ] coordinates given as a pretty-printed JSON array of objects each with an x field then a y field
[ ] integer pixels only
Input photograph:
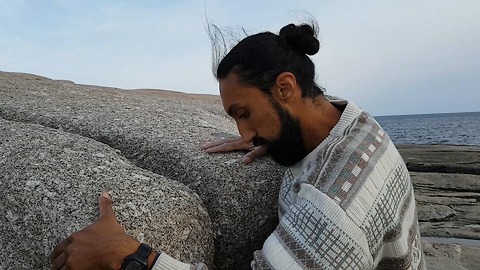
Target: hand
[
  {"x": 102, "y": 245},
  {"x": 236, "y": 144}
]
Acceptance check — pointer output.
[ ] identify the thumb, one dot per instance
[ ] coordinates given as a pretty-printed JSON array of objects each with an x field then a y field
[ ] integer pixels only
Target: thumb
[
  {"x": 254, "y": 154},
  {"x": 105, "y": 204}
]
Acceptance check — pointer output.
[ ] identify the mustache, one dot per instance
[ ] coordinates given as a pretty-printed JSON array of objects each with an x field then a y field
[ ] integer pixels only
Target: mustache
[{"x": 258, "y": 141}]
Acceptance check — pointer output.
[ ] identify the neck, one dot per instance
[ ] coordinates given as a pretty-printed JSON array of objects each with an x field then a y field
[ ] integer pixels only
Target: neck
[{"x": 318, "y": 117}]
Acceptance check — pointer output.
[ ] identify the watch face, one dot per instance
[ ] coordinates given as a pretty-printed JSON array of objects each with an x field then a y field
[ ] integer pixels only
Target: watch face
[{"x": 133, "y": 265}]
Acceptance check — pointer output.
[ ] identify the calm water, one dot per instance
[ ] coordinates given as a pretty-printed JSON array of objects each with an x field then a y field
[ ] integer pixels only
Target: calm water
[{"x": 445, "y": 128}]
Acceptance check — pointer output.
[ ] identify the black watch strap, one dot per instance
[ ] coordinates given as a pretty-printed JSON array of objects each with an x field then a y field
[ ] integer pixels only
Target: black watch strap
[
  {"x": 137, "y": 260},
  {"x": 144, "y": 250}
]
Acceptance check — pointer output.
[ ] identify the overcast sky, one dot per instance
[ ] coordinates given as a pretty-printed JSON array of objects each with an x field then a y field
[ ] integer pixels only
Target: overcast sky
[{"x": 389, "y": 57}]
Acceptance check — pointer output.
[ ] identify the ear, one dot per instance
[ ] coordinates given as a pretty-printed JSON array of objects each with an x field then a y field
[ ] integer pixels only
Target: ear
[{"x": 285, "y": 88}]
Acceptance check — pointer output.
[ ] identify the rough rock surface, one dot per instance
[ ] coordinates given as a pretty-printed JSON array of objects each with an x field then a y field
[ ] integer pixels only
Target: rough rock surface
[
  {"x": 49, "y": 184},
  {"x": 162, "y": 131},
  {"x": 447, "y": 189},
  {"x": 451, "y": 256}
]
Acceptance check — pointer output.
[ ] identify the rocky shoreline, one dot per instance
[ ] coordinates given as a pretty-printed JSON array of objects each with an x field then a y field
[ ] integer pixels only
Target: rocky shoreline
[
  {"x": 62, "y": 143},
  {"x": 446, "y": 180}
]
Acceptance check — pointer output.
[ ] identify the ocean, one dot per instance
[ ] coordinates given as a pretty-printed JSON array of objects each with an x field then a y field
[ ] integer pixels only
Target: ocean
[{"x": 444, "y": 128}]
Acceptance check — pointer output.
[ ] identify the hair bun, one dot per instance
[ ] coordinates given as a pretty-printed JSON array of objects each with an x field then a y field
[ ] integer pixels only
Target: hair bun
[{"x": 301, "y": 38}]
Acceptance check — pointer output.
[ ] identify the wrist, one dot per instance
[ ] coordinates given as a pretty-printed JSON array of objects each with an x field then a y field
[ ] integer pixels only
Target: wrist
[
  {"x": 123, "y": 251},
  {"x": 152, "y": 258},
  {"x": 142, "y": 254}
]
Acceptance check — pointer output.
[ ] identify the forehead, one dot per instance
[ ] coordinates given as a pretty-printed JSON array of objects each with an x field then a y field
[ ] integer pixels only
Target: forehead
[{"x": 235, "y": 94}]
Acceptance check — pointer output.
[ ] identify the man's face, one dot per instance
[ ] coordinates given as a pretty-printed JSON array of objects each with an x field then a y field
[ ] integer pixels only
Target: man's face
[
  {"x": 289, "y": 147},
  {"x": 262, "y": 121}
]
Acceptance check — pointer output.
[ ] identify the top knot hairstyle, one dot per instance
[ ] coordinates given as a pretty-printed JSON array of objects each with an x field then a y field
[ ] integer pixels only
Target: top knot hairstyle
[
  {"x": 299, "y": 38},
  {"x": 258, "y": 59}
]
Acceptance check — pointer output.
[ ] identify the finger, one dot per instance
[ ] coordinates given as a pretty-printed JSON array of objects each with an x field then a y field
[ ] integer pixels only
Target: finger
[
  {"x": 59, "y": 248},
  {"x": 59, "y": 262},
  {"x": 219, "y": 142},
  {"x": 216, "y": 143},
  {"x": 105, "y": 204},
  {"x": 229, "y": 146},
  {"x": 254, "y": 154},
  {"x": 219, "y": 148}
]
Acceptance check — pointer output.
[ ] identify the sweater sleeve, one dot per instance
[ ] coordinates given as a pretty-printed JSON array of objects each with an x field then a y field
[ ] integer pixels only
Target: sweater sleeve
[
  {"x": 315, "y": 233},
  {"x": 165, "y": 262}
]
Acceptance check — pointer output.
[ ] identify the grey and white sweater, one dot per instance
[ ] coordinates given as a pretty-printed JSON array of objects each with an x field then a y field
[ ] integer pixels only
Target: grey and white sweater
[{"x": 348, "y": 204}]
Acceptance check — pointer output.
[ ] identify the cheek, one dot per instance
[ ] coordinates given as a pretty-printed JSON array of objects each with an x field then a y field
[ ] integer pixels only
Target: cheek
[{"x": 271, "y": 126}]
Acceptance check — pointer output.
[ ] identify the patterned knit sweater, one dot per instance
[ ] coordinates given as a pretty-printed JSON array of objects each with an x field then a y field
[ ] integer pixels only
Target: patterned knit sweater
[{"x": 348, "y": 204}]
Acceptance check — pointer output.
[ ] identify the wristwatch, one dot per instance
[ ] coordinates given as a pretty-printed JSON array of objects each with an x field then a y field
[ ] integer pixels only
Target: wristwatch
[{"x": 137, "y": 260}]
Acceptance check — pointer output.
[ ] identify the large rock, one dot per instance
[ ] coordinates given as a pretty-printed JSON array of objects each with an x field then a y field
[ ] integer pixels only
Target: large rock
[
  {"x": 49, "y": 185},
  {"x": 162, "y": 131}
]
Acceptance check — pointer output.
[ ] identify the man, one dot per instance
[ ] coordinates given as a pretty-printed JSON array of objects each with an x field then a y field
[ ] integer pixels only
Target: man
[{"x": 346, "y": 200}]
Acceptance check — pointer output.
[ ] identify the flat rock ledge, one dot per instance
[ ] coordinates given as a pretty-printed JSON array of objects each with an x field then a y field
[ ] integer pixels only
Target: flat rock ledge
[
  {"x": 447, "y": 189},
  {"x": 448, "y": 203},
  {"x": 62, "y": 143},
  {"x": 451, "y": 256}
]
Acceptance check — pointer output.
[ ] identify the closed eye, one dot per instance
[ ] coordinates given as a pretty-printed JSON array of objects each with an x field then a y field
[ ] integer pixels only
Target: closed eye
[{"x": 244, "y": 115}]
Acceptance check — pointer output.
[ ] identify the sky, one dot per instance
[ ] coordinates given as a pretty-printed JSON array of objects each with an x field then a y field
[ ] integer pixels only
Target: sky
[{"x": 389, "y": 57}]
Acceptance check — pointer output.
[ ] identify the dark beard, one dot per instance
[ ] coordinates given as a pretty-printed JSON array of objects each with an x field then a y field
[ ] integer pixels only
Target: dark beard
[{"x": 289, "y": 148}]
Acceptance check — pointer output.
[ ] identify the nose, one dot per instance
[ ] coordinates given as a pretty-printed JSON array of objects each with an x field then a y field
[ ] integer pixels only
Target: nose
[{"x": 246, "y": 132}]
